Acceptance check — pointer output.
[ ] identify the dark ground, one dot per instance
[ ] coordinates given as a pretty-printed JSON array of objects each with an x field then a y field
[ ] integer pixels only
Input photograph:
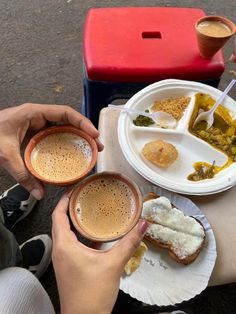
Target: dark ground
[{"x": 41, "y": 61}]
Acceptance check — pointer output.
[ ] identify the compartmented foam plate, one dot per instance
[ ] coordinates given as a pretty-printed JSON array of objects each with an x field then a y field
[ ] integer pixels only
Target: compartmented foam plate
[{"x": 190, "y": 148}]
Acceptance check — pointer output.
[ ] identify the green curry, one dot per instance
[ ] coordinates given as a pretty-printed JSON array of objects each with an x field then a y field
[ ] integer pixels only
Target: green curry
[{"x": 143, "y": 120}]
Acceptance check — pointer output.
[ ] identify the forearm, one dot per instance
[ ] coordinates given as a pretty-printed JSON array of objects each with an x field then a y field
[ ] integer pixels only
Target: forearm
[
  {"x": 84, "y": 303},
  {"x": 78, "y": 309},
  {"x": 85, "y": 295}
]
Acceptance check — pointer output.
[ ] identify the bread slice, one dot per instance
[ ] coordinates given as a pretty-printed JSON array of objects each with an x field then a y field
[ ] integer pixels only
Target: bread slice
[{"x": 169, "y": 228}]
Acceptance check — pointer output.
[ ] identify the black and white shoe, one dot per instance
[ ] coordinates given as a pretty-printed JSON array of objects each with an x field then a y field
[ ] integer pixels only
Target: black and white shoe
[
  {"x": 16, "y": 203},
  {"x": 36, "y": 254}
]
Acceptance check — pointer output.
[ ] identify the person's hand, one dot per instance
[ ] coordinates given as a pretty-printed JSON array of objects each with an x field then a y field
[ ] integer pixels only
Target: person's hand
[
  {"x": 233, "y": 56},
  {"x": 16, "y": 121},
  {"x": 88, "y": 279}
]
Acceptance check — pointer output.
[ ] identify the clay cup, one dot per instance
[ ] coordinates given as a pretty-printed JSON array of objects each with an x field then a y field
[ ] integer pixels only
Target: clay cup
[
  {"x": 105, "y": 206},
  {"x": 71, "y": 154},
  {"x": 209, "y": 44}
]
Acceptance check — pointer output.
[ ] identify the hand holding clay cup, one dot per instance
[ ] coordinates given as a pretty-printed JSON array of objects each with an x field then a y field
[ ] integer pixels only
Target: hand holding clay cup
[
  {"x": 88, "y": 279},
  {"x": 212, "y": 33},
  {"x": 61, "y": 155},
  {"x": 16, "y": 122},
  {"x": 105, "y": 206}
]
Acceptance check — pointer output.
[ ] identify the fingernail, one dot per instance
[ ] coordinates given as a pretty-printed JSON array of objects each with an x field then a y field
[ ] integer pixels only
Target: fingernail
[
  {"x": 36, "y": 194},
  {"x": 143, "y": 225},
  {"x": 99, "y": 143}
]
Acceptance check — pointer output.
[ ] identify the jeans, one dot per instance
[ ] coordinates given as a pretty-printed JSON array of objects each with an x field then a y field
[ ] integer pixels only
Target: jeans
[{"x": 10, "y": 254}]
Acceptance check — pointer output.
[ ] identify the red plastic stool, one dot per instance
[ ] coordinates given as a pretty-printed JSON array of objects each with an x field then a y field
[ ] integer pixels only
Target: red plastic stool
[{"x": 125, "y": 49}]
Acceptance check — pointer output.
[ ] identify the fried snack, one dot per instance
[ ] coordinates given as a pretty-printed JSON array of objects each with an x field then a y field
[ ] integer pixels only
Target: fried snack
[
  {"x": 174, "y": 106},
  {"x": 160, "y": 153},
  {"x": 135, "y": 260},
  {"x": 169, "y": 228}
]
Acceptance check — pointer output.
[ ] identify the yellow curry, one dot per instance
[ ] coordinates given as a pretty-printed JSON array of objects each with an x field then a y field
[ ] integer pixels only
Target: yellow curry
[{"x": 222, "y": 136}]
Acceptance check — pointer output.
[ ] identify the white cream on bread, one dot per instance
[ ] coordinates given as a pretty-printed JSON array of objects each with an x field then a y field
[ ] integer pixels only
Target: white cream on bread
[{"x": 171, "y": 226}]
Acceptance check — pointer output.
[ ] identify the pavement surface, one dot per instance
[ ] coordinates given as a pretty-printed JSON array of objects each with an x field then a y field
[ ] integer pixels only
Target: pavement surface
[{"x": 41, "y": 62}]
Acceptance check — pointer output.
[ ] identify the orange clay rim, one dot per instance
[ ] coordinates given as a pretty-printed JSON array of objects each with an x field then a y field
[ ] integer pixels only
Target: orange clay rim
[
  {"x": 219, "y": 18},
  {"x": 106, "y": 174},
  {"x": 59, "y": 129}
]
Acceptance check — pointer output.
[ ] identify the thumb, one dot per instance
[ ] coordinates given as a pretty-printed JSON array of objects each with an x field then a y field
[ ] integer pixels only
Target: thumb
[
  {"x": 126, "y": 247},
  {"x": 16, "y": 167}
]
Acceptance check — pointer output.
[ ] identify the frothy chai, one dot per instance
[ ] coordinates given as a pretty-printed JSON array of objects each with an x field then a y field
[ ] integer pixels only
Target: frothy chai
[
  {"x": 214, "y": 28},
  {"x": 105, "y": 208},
  {"x": 61, "y": 156}
]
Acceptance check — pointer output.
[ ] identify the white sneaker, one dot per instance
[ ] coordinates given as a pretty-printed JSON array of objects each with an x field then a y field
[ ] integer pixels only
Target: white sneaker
[
  {"x": 36, "y": 253},
  {"x": 16, "y": 203}
]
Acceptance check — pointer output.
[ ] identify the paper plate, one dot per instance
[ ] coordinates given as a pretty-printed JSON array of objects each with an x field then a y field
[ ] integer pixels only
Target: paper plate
[
  {"x": 160, "y": 280},
  {"x": 190, "y": 148}
]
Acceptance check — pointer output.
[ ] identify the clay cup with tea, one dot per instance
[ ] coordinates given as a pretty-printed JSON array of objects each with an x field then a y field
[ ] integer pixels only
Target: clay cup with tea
[
  {"x": 212, "y": 33},
  {"x": 105, "y": 206},
  {"x": 61, "y": 155}
]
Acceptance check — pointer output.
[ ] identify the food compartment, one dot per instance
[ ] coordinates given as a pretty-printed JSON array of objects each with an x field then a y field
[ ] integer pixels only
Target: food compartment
[
  {"x": 189, "y": 151},
  {"x": 222, "y": 134},
  {"x": 175, "y": 101}
]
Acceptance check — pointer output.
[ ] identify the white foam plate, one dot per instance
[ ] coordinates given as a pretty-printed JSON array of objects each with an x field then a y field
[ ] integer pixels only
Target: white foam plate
[
  {"x": 190, "y": 148},
  {"x": 159, "y": 279}
]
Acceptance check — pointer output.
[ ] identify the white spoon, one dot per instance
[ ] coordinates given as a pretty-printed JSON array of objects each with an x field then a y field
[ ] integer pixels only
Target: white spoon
[
  {"x": 208, "y": 116},
  {"x": 163, "y": 119}
]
